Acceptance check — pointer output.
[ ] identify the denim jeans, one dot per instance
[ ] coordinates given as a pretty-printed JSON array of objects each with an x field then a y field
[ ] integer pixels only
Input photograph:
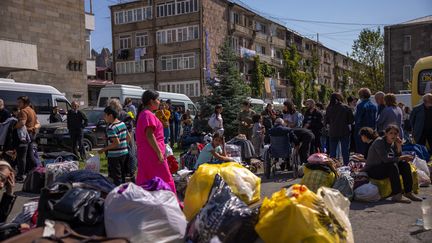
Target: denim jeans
[
  {"x": 344, "y": 141},
  {"x": 167, "y": 133}
]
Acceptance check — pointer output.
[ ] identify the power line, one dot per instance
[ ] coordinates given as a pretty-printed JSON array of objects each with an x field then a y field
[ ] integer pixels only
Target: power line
[{"x": 329, "y": 22}]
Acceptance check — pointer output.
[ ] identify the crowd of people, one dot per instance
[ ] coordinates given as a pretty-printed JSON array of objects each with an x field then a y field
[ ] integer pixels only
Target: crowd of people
[{"x": 376, "y": 131}]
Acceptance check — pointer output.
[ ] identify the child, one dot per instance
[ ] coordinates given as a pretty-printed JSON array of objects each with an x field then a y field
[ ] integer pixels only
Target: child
[
  {"x": 163, "y": 114},
  {"x": 258, "y": 133},
  {"x": 213, "y": 152},
  {"x": 189, "y": 159},
  {"x": 117, "y": 149}
]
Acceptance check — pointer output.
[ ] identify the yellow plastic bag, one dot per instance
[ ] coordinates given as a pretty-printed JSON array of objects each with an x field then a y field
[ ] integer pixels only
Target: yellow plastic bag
[
  {"x": 315, "y": 179},
  {"x": 384, "y": 185},
  {"x": 243, "y": 183},
  {"x": 299, "y": 215}
]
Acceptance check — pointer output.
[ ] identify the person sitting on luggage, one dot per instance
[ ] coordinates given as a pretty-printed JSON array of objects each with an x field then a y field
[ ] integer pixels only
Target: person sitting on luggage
[
  {"x": 367, "y": 136},
  {"x": 385, "y": 161},
  {"x": 213, "y": 152},
  {"x": 7, "y": 181},
  {"x": 278, "y": 147}
]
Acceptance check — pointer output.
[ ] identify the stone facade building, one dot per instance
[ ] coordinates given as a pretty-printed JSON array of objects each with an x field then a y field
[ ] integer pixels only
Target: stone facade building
[
  {"x": 56, "y": 34},
  {"x": 404, "y": 44},
  {"x": 172, "y": 45}
]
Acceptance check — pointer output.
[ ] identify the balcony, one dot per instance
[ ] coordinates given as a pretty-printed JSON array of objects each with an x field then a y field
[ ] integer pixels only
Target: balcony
[
  {"x": 17, "y": 56},
  {"x": 278, "y": 42},
  {"x": 261, "y": 37},
  {"x": 89, "y": 22},
  {"x": 236, "y": 28},
  {"x": 265, "y": 58},
  {"x": 91, "y": 67}
]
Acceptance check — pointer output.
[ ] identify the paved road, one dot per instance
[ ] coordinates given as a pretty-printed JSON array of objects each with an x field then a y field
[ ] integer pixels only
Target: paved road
[{"x": 379, "y": 222}]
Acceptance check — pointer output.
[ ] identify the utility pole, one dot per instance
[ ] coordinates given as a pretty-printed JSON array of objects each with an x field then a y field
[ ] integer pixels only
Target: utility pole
[{"x": 317, "y": 37}]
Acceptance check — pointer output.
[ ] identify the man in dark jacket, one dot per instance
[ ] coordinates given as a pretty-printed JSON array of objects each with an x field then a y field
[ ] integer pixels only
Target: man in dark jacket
[
  {"x": 313, "y": 120},
  {"x": 4, "y": 114},
  {"x": 421, "y": 121},
  {"x": 365, "y": 116},
  {"x": 76, "y": 121},
  {"x": 7, "y": 180},
  {"x": 339, "y": 118}
]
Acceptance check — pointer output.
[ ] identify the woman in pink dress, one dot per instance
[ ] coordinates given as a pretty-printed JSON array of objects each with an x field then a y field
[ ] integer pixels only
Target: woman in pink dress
[{"x": 150, "y": 143}]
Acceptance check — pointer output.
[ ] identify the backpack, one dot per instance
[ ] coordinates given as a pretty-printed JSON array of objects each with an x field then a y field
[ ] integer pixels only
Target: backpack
[{"x": 35, "y": 181}]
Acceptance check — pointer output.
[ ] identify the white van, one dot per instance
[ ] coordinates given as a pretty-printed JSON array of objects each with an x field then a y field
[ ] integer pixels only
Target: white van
[
  {"x": 42, "y": 97},
  {"x": 257, "y": 105},
  {"x": 121, "y": 92},
  {"x": 403, "y": 98}
]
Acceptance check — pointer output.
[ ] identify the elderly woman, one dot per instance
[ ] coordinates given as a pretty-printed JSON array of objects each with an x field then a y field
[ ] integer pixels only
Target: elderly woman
[
  {"x": 391, "y": 114},
  {"x": 384, "y": 160}
]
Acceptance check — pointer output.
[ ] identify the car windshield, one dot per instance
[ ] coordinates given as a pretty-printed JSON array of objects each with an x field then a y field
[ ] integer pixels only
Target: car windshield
[{"x": 94, "y": 116}]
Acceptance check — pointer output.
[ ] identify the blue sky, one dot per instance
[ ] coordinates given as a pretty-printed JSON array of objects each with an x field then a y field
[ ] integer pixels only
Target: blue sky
[{"x": 374, "y": 12}]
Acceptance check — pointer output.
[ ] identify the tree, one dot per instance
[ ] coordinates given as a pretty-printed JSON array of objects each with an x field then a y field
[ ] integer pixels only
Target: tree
[
  {"x": 293, "y": 73},
  {"x": 324, "y": 93},
  {"x": 230, "y": 91},
  {"x": 257, "y": 79},
  {"x": 368, "y": 52}
]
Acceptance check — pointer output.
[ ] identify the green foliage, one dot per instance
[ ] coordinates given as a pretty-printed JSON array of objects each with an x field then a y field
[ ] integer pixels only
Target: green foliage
[
  {"x": 324, "y": 93},
  {"x": 368, "y": 51},
  {"x": 257, "y": 80},
  {"x": 230, "y": 91},
  {"x": 291, "y": 71}
]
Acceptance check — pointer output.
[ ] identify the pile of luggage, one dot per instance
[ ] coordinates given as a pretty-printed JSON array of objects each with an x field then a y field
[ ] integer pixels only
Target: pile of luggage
[
  {"x": 352, "y": 182},
  {"x": 221, "y": 204}
]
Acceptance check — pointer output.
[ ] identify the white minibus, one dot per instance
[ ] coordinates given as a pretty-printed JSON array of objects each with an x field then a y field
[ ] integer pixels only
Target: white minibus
[
  {"x": 121, "y": 92},
  {"x": 42, "y": 97}
]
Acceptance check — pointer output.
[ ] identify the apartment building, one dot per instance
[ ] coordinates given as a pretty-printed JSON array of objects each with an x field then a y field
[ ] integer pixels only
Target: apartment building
[
  {"x": 47, "y": 42},
  {"x": 404, "y": 44},
  {"x": 172, "y": 45}
]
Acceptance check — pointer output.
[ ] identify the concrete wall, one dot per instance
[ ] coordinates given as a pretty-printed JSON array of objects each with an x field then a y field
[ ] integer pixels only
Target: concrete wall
[
  {"x": 395, "y": 55},
  {"x": 57, "y": 28},
  {"x": 12, "y": 54}
]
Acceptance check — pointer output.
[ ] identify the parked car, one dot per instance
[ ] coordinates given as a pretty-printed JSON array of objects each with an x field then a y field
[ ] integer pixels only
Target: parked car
[{"x": 55, "y": 136}]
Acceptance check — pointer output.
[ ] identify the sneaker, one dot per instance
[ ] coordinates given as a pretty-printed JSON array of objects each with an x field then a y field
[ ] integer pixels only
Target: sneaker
[
  {"x": 400, "y": 199},
  {"x": 413, "y": 197}
]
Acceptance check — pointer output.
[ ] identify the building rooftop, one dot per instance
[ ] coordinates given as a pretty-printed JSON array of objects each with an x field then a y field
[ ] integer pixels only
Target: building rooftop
[{"x": 421, "y": 20}]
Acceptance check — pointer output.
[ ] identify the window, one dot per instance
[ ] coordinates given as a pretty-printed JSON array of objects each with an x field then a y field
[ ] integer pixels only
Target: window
[
  {"x": 119, "y": 17},
  {"x": 178, "y": 62},
  {"x": 407, "y": 43},
  {"x": 278, "y": 54},
  {"x": 176, "y": 8},
  {"x": 260, "y": 49},
  {"x": 133, "y": 15},
  {"x": 189, "y": 88},
  {"x": 261, "y": 27},
  {"x": 141, "y": 39},
  {"x": 235, "y": 44},
  {"x": 125, "y": 42},
  {"x": 63, "y": 105},
  {"x": 425, "y": 82},
  {"x": 177, "y": 34},
  {"x": 407, "y": 73},
  {"x": 141, "y": 66},
  {"x": 235, "y": 18}
]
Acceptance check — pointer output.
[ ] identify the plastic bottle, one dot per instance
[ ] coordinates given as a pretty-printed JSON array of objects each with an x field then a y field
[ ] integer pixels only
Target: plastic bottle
[{"x": 427, "y": 213}]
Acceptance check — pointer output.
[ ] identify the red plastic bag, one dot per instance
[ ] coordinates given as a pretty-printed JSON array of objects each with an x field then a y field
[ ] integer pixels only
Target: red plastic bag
[{"x": 173, "y": 164}]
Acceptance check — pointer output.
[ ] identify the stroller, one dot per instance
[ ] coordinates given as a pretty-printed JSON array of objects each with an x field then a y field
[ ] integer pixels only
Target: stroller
[{"x": 279, "y": 148}]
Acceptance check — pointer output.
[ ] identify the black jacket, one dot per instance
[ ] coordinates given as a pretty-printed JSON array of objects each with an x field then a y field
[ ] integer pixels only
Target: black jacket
[
  {"x": 314, "y": 119},
  {"x": 55, "y": 118},
  {"x": 4, "y": 115},
  {"x": 76, "y": 121},
  {"x": 6, "y": 205},
  {"x": 339, "y": 117},
  {"x": 279, "y": 131}
]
